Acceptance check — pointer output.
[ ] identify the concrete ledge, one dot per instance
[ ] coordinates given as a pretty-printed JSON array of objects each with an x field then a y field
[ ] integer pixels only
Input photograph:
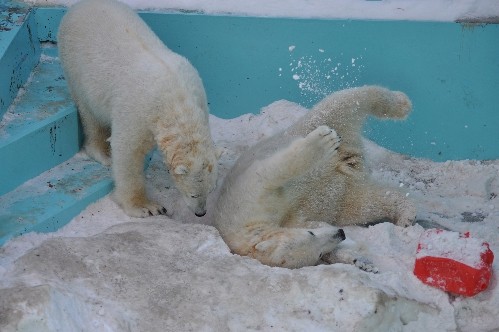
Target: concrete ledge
[
  {"x": 49, "y": 201},
  {"x": 448, "y": 69}
]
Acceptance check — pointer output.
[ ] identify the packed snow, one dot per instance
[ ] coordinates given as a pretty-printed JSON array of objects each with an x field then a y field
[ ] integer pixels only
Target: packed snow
[
  {"x": 107, "y": 271},
  {"x": 452, "y": 245}
]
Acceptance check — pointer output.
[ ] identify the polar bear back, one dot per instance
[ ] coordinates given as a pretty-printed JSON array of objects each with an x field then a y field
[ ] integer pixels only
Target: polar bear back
[{"x": 106, "y": 48}]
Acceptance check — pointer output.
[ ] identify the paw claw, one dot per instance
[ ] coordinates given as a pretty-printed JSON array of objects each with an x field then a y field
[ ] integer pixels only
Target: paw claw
[
  {"x": 365, "y": 265},
  {"x": 326, "y": 140},
  {"x": 147, "y": 210}
]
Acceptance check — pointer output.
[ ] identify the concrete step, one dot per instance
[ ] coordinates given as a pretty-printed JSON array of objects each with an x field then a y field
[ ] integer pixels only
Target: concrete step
[
  {"x": 40, "y": 129},
  {"x": 48, "y": 201},
  {"x": 44, "y": 181}
]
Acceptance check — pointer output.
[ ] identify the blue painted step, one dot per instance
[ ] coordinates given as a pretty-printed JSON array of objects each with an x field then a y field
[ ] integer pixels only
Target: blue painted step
[
  {"x": 48, "y": 201},
  {"x": 43, "y": 184},
  {"x": 40, "y": 130}
]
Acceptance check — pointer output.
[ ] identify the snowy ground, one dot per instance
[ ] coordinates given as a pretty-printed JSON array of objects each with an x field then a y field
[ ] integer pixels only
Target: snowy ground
[
  {"x": 432, "y": 10},
  {"x": 106, "y": 271}
]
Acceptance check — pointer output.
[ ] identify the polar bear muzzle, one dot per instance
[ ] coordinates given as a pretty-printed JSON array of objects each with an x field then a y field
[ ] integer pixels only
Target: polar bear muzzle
[{"x": 340, "y": 235}]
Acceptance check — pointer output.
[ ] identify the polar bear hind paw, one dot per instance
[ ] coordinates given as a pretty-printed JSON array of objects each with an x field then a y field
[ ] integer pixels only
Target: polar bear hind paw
[{"x": 324, "y": 140}]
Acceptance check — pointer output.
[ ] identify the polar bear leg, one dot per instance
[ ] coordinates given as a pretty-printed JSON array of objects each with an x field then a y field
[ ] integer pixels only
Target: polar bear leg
[
  {"x": 367, "y": 203},
  {"x": 129, "y": 150},
  {"x": 96, "y": 137},
  {"x": 300, "y": 156},
  {"x": 346, "y": 110},
  {"x": 350, "y": 256},
  {"x": 294, "y": 247}
]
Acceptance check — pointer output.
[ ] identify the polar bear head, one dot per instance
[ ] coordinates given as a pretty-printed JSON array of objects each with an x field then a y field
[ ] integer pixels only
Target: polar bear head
[
  {"x": 192, "y": 161},
  {"x": 296, "y": 247},
  {"x": 195, "y": 180}
]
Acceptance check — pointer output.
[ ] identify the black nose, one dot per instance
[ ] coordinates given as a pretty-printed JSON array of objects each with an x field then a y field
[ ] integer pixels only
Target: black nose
[
  {"x": 200, "y": 214},
  {"x": 340, "y": 234}
]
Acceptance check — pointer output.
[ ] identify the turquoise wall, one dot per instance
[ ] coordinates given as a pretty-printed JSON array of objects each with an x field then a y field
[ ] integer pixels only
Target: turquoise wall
[{"x": 450, "y": 71}]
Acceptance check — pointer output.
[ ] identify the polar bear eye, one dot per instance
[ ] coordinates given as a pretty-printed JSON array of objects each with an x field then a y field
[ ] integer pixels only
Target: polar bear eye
[{"x": 194, "y": 196}]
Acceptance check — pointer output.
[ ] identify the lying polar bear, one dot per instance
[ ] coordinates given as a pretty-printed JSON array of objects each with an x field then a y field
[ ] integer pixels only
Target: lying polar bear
[
  {"x": 285, "y": 198},
  {"x": 128, "y": 85}
]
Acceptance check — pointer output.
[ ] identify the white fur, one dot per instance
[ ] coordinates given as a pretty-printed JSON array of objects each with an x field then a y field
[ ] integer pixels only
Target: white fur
[
  {"x": 130, "y": 87},
  {"x": 285, "y": 197}
]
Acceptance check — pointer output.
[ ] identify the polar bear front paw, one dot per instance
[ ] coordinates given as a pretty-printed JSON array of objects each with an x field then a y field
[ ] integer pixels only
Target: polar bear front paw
[
  {"x": 135, "y": 202},
  {"x": 147, "y": 210},
  {"x": 304, "y": 153},
  {"x": 365, "y": 265},
  {"x": 139, "y": 206},
  {"x": 349, "y": 254}
]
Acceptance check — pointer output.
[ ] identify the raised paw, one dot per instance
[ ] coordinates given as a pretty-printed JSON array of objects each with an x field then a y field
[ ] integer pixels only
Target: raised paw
[
  {"x": 303, "y": 154},
  {"x": 324, "y": 140},
  {"x": 402, "y": 105}
]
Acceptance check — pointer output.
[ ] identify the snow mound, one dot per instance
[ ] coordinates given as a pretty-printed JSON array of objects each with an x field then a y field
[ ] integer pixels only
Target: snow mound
[
  {"x": 161, "y": 275},
  {"x": 452, "y": 245}
]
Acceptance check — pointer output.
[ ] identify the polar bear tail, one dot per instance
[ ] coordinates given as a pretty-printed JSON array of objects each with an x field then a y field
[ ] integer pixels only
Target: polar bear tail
[{"x": 346, "y": 111}]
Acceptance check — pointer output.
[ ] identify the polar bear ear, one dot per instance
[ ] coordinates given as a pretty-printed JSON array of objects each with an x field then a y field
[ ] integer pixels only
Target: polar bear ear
[{"x": 181, "y": 170}]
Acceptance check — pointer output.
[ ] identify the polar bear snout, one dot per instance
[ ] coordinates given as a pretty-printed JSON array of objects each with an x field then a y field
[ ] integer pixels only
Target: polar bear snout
[
  {"x": 200, "y": 214},
  {"x": 196, "y": 204},
  {"x": 340, "y": 235}
]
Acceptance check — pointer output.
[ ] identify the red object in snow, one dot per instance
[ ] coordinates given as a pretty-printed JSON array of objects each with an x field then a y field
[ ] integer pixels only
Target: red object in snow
[{"x": 453, "y": 262}]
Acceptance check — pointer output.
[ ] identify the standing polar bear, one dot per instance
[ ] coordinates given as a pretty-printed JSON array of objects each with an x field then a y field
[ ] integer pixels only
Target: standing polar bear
[
  {"x": 283, "y": 201},
  {"x": 133, "y": 92}
]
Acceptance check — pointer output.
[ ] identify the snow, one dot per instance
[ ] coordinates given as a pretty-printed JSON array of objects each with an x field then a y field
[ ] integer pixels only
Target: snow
[
  {"x": 452, "y": 245},
  {"x": 107, "y": 271},
  {"x": 430, "y": 10}
]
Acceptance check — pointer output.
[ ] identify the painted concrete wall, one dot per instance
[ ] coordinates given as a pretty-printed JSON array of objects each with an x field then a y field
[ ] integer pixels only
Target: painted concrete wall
[{"x": 450, "y": 71}]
